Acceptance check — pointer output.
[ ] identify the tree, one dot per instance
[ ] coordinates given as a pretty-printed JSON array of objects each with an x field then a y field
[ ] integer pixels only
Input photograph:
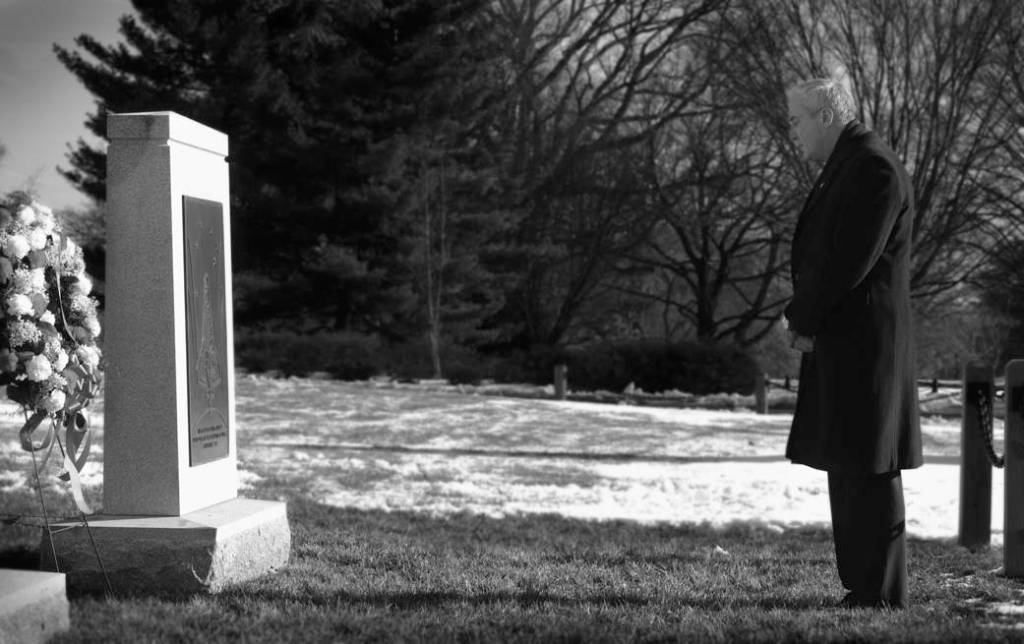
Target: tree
[
  {"x": 316, "y": 99},
  {"x": 919, "y": 72},
  {"x": 590, "y": 81},
  {"x": 86, "y": 227},
  {"x": 577, "y": 238},
  {"x": 442, "y": 174},
  {"x": 725, "y": 208}
]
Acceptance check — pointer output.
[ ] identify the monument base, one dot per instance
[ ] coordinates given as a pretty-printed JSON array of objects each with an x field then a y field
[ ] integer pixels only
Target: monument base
[
  {"x": 33, "y": 605},
  {"x": 199, "y": 552}
]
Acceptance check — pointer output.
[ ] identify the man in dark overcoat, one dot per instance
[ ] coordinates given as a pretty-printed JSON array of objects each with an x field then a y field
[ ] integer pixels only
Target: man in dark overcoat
[{"x": 857, "y": 410}]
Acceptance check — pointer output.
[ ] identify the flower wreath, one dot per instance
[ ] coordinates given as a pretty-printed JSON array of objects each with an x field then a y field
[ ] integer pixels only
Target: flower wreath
[{"x": 49, "y": 360}]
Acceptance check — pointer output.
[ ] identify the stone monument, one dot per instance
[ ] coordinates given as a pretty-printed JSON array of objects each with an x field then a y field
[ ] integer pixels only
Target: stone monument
[
  {"x": 172, "y": 519},
  {"x": 33, "y": 606}
]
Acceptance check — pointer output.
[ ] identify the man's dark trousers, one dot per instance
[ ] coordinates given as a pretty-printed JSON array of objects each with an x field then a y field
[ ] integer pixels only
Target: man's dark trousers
[{"x": 869, "y": 529}]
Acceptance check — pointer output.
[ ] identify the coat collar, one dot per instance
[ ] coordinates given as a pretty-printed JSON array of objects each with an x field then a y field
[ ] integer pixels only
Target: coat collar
[{"x": 847, "y": 143}]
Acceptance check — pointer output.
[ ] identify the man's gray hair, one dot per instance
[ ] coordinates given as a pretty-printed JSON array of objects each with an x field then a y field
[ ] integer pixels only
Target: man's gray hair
[{"x": 820, "y": 93}]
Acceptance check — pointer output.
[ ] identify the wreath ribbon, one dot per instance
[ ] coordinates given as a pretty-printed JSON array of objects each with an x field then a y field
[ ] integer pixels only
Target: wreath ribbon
[
  {"x": 31, "y": 425},
  {"x": 75, "y": 445},
  {"x": 76, "y": 450}
]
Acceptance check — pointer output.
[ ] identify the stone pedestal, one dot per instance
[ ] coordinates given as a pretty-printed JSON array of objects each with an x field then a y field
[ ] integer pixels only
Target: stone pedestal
[
  {"x": 156, "y": 163},
  {"x": 975, "y": 470},
  {"x": 1013, "y": 510},
  {"x": 202, "y": 551},
  {"x": 33, "y": 606},
  {"x": 171, "y": 522}
]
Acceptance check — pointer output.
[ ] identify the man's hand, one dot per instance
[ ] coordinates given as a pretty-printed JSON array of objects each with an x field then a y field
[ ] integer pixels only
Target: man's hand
[{"x": 801, "y": 343}]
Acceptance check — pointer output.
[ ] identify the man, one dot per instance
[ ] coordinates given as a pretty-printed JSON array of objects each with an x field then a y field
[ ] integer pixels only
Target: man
[{"x": 856, "y": 413}]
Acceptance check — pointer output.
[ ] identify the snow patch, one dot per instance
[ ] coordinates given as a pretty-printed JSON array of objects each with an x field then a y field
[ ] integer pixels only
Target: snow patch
[{"x": 439, "y": 452}]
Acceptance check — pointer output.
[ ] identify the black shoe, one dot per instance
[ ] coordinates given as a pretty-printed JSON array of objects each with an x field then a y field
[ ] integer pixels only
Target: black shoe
[
  {"x": 854, "y": 599},
  {"x": 848, "y": 601}
]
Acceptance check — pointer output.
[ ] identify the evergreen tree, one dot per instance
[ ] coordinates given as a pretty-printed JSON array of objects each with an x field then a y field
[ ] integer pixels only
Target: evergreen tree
[{"x": 332, "y": 110}]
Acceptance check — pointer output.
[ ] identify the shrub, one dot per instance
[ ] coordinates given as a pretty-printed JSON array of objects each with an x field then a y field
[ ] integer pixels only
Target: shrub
[
  {"x": 411, "y": 360},
  {"x": 775, "y": 355},
  {"x": 535, "y": 367},
  {"x": 346, "y": 356},
  {"x": 655, "y": 366},
  {"x": 466, "y": 374}
]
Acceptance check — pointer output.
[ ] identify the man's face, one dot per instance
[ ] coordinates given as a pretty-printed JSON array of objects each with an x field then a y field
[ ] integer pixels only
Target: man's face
[{"x": 808, "y": 129}]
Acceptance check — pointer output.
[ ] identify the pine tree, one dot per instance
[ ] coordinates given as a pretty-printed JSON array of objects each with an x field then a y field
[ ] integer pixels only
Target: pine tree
[{"x": 328, "y": 107}]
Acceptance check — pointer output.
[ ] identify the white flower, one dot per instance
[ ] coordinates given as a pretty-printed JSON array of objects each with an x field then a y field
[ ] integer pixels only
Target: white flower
[
  {"x": 37, "y": 238},
  {"x": 72, "y": 264},
  {"x": 16, "y": 246},
  {"x": 19, "y": 304},
  {"x": 21, "y": 332},
  {"x": 83, "y": 285},
  {"x": 29, "y": 280},
  {"x": 26, "y": 215},
  {"x": 61, "y": 361},
  {"x": 41, "y": 209},
  {"x": 70, "y": 250},
  {"x": 51, "y": 345},
  {"x": 38, "y": 368},
  {"x": 48, "y": 318},
  {"x": 55, "y": 401},
  {"x": 46, "y": 221},
  {"x": 38, "y": 279},
  {"x": 88, "y": 356},
  {"x": 80, "y": 303},
  {"x": 92, "y": 325},
  {"x": 56, "y": 381}
]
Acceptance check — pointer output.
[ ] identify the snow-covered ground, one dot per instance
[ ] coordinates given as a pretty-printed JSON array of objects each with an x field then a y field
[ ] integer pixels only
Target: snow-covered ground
[{"x": 377, "y": 447}]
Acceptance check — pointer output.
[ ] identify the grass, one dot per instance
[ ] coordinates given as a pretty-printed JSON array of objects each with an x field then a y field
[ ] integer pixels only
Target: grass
[
  {"x": 378, "y": 576},
  {"x": 359, "y": 575}
]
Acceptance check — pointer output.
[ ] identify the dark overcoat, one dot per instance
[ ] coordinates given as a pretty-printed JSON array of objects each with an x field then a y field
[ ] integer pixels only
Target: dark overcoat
[{"x": 857, "y": 408}]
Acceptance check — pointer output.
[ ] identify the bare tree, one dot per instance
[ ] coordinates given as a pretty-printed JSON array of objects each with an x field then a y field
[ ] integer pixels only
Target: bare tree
[
  {"x": 1002, "y": 282},
  {"x": 1006, "y": 178},
  {"x": 919, "y": 71},
  {"x": 724, "y": 206},
  {"x": 590, "y": 81},
  {"x": 597, "y": 217},
  {"x": 1009, "y": 90}
]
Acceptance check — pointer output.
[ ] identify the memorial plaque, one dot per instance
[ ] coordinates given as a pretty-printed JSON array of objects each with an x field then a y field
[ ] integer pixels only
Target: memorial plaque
[{"x": 205, "y": 332}]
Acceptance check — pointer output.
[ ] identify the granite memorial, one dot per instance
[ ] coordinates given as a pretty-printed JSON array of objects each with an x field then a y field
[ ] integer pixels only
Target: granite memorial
[{"x": 171, "y": 519}]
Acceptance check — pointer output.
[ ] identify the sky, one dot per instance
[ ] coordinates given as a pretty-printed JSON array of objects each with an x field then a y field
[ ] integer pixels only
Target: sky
[{"x": 42, "y": 105}]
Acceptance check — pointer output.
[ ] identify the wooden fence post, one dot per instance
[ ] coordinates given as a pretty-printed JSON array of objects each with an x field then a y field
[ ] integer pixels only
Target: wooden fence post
[
  {"x": 1013, "y": 448},
  {"x": 975, "y": 468},
  {"x": 761, "y": 393},
  {"x": 560, "y": 381}
]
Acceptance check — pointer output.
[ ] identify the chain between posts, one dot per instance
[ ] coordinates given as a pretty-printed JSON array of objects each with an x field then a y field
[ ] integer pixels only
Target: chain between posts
[{"x": 985, "y": 421}]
